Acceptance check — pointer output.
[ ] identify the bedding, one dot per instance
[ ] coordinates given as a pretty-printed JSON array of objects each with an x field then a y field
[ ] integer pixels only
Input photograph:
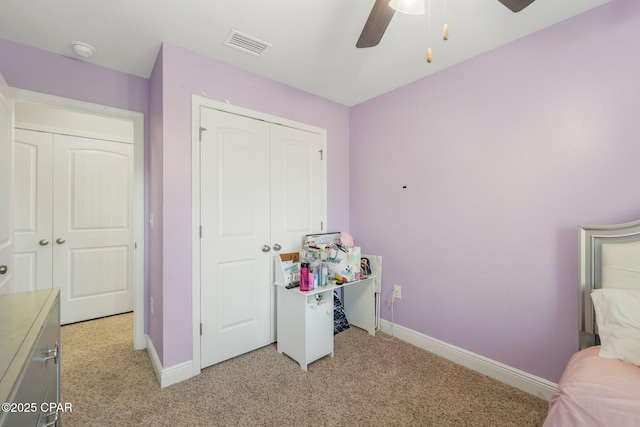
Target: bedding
[
  {"x": 618, "y": 320},
  {"x": 601, "y": 385},
  {"x": 596, "y": 391}
]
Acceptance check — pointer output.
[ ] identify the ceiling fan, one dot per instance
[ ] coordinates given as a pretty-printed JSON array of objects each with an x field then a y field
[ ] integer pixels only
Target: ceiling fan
[{"x": 381, "y": 15}]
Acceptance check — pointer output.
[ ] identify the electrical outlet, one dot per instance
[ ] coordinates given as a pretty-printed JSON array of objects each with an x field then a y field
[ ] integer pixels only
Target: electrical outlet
[{"x": 397, "y": 292}]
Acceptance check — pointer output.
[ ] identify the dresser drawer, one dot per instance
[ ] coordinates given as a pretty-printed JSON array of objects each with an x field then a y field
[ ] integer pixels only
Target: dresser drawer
[{"x": 33, "y": 375}]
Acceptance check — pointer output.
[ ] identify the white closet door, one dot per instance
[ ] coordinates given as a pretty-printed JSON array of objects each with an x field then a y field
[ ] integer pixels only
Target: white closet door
[
  {"x": 235, "y": 217},
  {"x": 33, "y": 204},
  {"x": 6, "y": 240},
  {"x": 296, "y": 186},
  {"x": 92, "y": 222}
]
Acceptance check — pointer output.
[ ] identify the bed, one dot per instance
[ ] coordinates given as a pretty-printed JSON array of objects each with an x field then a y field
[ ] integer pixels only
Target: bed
[{"x": 601, "y": 383}]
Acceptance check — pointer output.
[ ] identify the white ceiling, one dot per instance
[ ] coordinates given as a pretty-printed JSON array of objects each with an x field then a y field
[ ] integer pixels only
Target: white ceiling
[{"x": 313, "y": 41}]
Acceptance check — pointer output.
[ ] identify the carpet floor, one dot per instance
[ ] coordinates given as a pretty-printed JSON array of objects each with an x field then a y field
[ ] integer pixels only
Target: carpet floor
[{"x": 371, "y": 381}]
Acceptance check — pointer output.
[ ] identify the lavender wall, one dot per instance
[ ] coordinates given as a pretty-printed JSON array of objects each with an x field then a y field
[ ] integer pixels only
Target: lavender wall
[
  {"x": 155, "y": 173},
  {"x": 503, "y": 157},
  {"x": 185, "y": 73},
  {"x": 37, "y": 70}
]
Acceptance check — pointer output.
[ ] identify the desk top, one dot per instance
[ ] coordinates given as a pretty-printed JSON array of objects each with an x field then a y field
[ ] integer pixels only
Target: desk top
[{"x": 330, "y": 286}]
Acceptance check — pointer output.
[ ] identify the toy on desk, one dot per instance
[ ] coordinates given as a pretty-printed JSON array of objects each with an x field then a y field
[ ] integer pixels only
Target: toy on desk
[
  {"x": 347, "y": 240},
  {"x": 349, "y": 274}
]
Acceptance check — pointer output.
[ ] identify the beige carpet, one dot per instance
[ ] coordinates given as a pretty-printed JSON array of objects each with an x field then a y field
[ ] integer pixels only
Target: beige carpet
[{"x": 370, "y": 382}]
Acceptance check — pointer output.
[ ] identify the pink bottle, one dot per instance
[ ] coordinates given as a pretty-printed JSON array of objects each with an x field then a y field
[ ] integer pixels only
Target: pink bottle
[{"x": 304, "y": 276}]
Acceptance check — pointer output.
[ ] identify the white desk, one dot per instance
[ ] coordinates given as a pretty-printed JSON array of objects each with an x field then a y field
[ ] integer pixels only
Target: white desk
[{"x": 305, "y": 319}]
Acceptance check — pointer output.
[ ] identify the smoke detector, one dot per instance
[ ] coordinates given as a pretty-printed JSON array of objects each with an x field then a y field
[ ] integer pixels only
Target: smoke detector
[{"x": 83, "y": 49}]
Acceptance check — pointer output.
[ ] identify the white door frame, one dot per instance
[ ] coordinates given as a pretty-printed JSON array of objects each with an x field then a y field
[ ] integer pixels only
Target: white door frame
[
  {"x": 196, "y": 103},
  {"x": 139, "y": 341},
  {"x": 7, "y": 252}
]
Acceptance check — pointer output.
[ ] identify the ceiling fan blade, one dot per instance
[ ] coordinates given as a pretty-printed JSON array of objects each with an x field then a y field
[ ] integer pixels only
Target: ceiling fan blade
[
  {"x": 376, "y": 25},
  {"x": 516, "y": 5}
]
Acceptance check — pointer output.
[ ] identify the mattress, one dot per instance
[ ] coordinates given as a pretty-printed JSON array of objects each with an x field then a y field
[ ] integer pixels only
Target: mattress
[{"x": 596, "y": 391}]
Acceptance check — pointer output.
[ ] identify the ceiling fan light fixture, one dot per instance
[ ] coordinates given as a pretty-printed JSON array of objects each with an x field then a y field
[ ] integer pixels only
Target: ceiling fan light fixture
[
  {"x": 410, "y": 7},
  {"x": 83, "y": 49}
]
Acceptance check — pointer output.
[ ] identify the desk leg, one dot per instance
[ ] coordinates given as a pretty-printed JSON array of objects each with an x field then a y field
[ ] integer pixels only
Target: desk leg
[{"x": 359, "y": 305}]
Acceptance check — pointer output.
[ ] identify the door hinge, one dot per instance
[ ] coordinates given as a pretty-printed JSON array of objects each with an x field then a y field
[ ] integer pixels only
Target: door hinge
[
  {"x": 200, "y": 329},
  {"x": 201, "y": 232},
  {"x": 321, "y": 225},
  {"x": 321, "y": 154},
  {"x": 135, "y": 245},
  {"x": 201, "y": 130}
]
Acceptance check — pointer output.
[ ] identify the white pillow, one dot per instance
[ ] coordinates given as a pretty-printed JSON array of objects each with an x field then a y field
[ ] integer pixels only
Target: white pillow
[{"x": 618, "y": 319}]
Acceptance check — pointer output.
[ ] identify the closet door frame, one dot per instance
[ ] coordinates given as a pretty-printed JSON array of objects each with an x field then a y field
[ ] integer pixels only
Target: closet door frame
[
  {"x": 196, "y": 103},
  {"x": 139, "y": 341}
]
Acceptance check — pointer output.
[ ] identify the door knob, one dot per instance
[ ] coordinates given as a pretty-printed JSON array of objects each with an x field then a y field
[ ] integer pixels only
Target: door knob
[
  {"x": 60, "y": 240},
  {"x": 266, "y": 248},
  {"x": 277, "y": 247},
  {"x": 3, "y": 269},
  {"x": 43, "y": 242}
]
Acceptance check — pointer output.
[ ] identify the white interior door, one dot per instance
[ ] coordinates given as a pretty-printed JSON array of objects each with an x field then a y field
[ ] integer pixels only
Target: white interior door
[
  {"x": 92, "y": 223},
  {"x": 296, "y": 186},
  {"x": 6, "y": 240},
  {"x": 235, "y": 306},
  {"x": 32, "y": 210},
  {"x": 261, "y": 190}
]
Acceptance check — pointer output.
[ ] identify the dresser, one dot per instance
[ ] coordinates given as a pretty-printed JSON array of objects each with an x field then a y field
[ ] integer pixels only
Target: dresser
[{"x": 30, "y": 358}]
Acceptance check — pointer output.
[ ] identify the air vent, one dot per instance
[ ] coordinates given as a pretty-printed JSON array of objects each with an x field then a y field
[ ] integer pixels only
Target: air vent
[{"x": 246, "y": 43}]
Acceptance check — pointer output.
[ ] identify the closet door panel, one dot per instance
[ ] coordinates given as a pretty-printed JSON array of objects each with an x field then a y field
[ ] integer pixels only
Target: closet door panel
[
  {"x": 92, "y": 236},
  {"x": 297, "y": 186},
  {"x": 234, "y": 202},
  {"x": 33, "y": 191}
]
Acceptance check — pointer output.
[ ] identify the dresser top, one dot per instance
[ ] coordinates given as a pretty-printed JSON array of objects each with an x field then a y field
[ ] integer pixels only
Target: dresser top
[{"x": 22, "y": 316}]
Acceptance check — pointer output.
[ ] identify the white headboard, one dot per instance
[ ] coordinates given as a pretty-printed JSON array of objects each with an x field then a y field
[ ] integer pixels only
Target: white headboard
[{"x": 609, "y": 258}]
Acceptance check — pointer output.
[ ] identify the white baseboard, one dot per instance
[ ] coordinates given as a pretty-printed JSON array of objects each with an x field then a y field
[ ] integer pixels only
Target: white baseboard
[
  {"x": 171, "y": 375},
  {"x": 514, "y": 377}
]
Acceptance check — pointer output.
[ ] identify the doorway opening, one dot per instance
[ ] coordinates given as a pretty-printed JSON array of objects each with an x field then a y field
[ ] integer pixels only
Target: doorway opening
[{"x": 127, "y": 134}]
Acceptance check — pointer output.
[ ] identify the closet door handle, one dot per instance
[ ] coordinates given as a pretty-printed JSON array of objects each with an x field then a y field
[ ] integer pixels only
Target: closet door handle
[
  {"x": 60, "y": 240},
  {"x": 266, "y": 248},
  {"x": 43, "y": 242},
  {"x": 3, "y": 269},
  {"x": 277, "y": 247}
]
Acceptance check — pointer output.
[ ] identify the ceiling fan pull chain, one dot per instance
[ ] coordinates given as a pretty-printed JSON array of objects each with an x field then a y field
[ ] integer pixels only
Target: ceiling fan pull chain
[
  {"x": 429, "y": 51},
  {"x": 445, "y": 28}
]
